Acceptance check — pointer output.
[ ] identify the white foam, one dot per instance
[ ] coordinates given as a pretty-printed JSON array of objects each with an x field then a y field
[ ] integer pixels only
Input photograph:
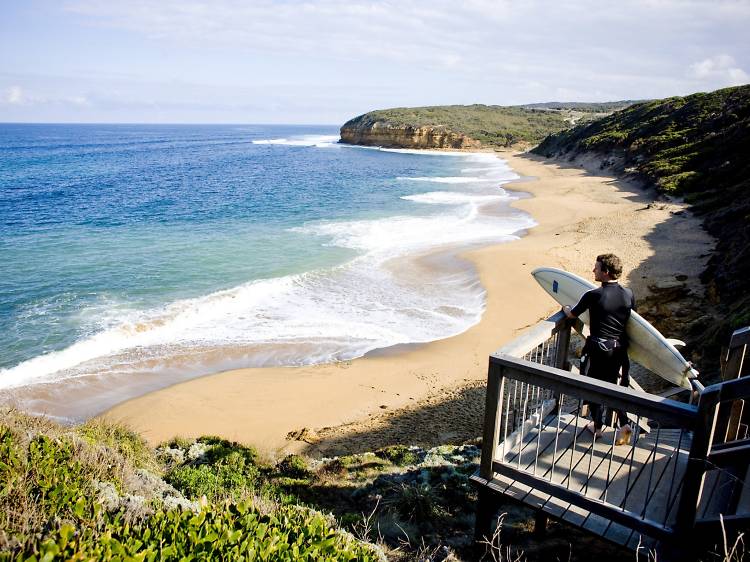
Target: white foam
[
  {"x": 423, "y": 152},
  {"x": 449, "y": 179},
  {"x": 313, "y": 317},
  {"x": 456, "y": 198},
  {"x": 320, "y": 141},
  {"x": 483, "y": 169},
  {"x": 401, "y": 235}
]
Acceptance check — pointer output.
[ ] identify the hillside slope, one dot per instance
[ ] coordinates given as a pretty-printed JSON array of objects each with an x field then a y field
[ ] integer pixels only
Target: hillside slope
[
  {"x": 97, "y": 492},
  {"x": 466, "y": 126},
  {"x": 694, "y": 147}
]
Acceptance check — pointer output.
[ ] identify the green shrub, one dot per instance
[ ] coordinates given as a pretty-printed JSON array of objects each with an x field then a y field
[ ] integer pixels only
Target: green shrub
[
  {"x": 48, "y": 509},
  {"x": 120, "y": 438},
  {"x": 294, "y": 466},
  {"x": 233, "y": 532},
  {"x": 398, "y": 454},
  {"x": 414, "y": 502},
  {"x": 178, "y": 442},
  {"x": 334, "y": 467},
  {"x": 222, "y": 448},
  {"x": 226, "y": 470},
  {"x": 39, "y": 485}
]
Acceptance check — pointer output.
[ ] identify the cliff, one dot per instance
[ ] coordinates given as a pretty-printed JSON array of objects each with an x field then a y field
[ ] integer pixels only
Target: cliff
[
  {"x": 405, "y": 136},
  {"x": 693, "y": 147},
  {"x": 467, "y": 126}
]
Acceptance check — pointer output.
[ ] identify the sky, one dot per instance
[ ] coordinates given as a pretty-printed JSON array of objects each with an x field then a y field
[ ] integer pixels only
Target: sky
[{"x": 323, "y": 62}]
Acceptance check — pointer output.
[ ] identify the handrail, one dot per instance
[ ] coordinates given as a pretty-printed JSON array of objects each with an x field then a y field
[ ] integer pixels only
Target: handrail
[
  {"x": 533, "y": 401},
  {"x": 633, "y": 401},
  {"x": 523, "y": 440},
  {"x": 534, "y": 336}
]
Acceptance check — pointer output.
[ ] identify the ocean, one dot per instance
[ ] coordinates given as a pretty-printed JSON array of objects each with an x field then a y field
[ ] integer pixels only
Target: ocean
[{"x": 135, "y": 256}]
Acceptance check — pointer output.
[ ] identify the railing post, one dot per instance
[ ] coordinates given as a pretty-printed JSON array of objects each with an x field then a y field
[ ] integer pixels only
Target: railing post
[
  {"x": 492, "y": 413},
  {"x": 563, "y": 344},
  {"x": 495, "y": 383},
  {"x": 735, "y": 364},
  {"x": 732, "y": 415},
  {"x": 561, "y": 355},
  {"x": 695, "y": 471}
]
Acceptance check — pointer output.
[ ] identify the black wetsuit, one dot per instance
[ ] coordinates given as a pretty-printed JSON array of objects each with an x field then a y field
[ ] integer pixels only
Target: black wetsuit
[{"x": 609, "y": 309}]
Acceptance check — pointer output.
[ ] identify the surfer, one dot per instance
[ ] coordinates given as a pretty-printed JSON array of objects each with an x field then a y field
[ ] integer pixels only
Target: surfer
[{"x": 605, "y": 352}]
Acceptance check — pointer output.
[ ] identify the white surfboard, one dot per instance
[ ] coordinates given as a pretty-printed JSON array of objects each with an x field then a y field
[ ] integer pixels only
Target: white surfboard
[{"x": 647, "y": 346}]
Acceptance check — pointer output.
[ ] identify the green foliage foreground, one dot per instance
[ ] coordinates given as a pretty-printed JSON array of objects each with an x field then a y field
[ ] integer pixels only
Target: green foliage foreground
[
  {"x": 52, "y": 508},
  {"x": 228, "y": 532}
]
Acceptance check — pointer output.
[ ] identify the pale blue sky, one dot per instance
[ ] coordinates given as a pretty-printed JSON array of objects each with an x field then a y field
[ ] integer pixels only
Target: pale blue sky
[{"x": 232, "y": 61}]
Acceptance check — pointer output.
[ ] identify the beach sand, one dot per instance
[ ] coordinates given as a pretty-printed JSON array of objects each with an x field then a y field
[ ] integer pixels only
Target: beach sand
[{"x": 434, "y": 393}]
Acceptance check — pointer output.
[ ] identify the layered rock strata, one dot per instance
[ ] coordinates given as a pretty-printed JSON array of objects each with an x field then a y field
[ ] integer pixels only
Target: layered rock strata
[{"x": 381, "y": 133}]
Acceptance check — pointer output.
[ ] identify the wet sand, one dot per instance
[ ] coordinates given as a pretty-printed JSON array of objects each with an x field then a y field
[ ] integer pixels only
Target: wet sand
[{"x": 433, "y": 393}]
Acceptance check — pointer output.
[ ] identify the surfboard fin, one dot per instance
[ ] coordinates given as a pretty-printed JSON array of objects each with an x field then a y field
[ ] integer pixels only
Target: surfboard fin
[{"x": 676, "y": 342}]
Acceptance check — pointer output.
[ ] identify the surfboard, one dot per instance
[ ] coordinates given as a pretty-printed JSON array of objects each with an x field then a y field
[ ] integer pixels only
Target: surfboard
[{"x": 647, "y": 346}]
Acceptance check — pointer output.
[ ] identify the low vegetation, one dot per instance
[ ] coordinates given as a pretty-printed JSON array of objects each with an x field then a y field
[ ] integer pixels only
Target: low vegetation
[
  {"x": 98, "y": 492},
  {"x": 492, "y": 125},
  {"x": 83, "y": 493}
]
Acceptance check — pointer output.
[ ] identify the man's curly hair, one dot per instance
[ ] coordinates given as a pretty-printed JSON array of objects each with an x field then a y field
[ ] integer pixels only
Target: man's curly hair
[{"x": 611, "y": 264}]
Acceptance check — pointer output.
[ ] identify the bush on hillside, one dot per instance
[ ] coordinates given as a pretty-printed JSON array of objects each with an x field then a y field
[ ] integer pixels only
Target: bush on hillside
[{"x": 73, "y": 494}]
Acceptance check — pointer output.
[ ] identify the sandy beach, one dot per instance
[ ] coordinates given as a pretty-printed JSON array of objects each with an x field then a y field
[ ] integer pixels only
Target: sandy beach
[{"x": 433, "y": 393}]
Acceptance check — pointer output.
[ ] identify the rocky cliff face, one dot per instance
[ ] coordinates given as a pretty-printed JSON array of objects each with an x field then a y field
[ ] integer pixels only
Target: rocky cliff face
[{"x": 364, "y": 131}]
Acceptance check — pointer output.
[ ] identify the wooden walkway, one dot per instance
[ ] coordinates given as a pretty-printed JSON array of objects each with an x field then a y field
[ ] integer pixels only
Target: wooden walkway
[
  {"x": 682, "y": 480},
  {"x": 643, "y": 477}
]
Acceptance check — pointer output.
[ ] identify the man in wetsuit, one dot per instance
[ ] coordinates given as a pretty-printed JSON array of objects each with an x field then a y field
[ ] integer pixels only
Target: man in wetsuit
[{"x": 605, "y": 351}]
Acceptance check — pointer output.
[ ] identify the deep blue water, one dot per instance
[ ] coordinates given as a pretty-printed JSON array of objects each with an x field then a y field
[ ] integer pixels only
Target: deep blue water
[{"x": 121, "y": 243}]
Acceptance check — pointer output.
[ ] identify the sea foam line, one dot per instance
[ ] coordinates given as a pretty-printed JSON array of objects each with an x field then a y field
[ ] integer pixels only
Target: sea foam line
[
  {"x": 319, "y": 141},
  {"x": 448, "y": 179},
  {"x": 457, "y": 198}
]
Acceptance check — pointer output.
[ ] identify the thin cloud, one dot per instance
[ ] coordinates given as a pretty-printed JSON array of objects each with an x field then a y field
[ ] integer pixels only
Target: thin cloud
[
  {"x": 14, "y": 96},
  {"x": 719, "y": 68},
  {"x": 463, "y": 37},
  {"x": 18, "y": 96},
  {"x": 338, "y": 58}
]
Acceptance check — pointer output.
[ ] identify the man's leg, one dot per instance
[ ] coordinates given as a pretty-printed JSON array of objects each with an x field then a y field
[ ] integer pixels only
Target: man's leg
[
  {"x": 597, "y": 416},
  {"x": 604, "y": 366}
]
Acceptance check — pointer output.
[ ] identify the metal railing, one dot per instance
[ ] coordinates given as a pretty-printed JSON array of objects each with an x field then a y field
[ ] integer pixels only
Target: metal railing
[{"x": 536, "y": 448}]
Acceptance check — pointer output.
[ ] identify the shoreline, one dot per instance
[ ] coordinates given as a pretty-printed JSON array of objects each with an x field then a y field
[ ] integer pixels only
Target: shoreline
[
  {"x": 395, "y": 267},
  {"x": 578, "y": 215}
]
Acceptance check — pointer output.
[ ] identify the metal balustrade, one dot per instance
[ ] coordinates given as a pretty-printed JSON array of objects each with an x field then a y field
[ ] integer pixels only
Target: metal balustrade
[{"x": 670, "y": 477}]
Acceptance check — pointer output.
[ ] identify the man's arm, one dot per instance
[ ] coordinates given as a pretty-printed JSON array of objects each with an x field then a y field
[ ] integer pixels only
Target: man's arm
[{"x": 580, "y": 308}]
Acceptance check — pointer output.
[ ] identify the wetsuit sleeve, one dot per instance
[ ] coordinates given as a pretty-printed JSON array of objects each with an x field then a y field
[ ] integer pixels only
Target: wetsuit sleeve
[{"x": 583, "y": 305}]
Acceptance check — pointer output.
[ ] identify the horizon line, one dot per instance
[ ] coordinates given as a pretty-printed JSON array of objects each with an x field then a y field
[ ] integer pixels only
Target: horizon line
[{"x": 161, "y": 123}]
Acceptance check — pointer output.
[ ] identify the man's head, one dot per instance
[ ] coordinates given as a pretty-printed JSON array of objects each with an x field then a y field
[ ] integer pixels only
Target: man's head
[{"x": 608, "y": 267}]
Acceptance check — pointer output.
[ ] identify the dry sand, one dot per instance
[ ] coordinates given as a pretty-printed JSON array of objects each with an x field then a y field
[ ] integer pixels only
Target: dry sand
[{"x": 433, "y": 393}]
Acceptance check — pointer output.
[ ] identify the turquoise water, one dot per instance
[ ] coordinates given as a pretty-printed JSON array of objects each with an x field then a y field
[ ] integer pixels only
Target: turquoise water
[{"x": 124, "y": 246}]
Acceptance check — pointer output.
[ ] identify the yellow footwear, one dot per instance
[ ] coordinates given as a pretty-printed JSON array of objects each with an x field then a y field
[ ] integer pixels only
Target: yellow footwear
[{"x": 624, "y": 434}]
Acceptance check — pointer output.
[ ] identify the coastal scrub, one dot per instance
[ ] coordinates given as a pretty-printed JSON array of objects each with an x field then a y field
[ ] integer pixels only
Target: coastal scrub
[{"x": 83, "y": 493}]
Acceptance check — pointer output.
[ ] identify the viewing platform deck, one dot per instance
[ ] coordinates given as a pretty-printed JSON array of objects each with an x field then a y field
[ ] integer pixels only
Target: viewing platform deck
[{"x": 682, "y": 475}]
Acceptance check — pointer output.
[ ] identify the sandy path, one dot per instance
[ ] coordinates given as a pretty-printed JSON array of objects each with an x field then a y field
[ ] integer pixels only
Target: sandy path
[{"x": 432, "y": 393}]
